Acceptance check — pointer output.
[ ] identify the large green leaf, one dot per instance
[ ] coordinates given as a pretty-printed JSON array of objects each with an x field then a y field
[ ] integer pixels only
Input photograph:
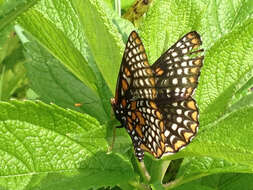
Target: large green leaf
[
  {"x": 59, "y": 45},
  {"x": 58, "y": 85},
  {"x": 166, "y": 21},
  {"x": 221, "y": 17},
  {"x": 222, "y": 182},
  {"x": 46, "y": 147},
  {"x": 227, "y": 62},
  {"x": 57, "y": 13},
  {"x": 103, "y": 37}
]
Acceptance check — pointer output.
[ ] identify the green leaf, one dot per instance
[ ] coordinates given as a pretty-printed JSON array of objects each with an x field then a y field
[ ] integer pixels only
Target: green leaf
[
  {"x": 56, "y": 41},
  {"x": 103, "y": 37},
  {"x": 166, "y": 22},
  {"x": 197, "y": 167},
  {"x": 222, "y": 182},
  {"x": 13, "y": 73},
  {"x": 60, "y": 86},
  {"x": 226, "y": 62},
  {"x": 47, "y": 147},
  {"x": 221, "y": 17},
  {"x": 55, "y": 14},
  {"x": 10, "y": 10}
]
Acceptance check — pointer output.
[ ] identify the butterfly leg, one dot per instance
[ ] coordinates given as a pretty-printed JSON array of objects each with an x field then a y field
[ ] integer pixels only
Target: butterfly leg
[{"x": 113, "y": 139}]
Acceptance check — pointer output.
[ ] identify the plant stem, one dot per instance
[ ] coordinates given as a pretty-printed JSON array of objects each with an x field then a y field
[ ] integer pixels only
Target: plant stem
[
  {"x": 143, "y": 171},
  {"x": 158, "y": 170},
  {"x": 1, "y": 81},
  {"x": 117, "y": 7}
]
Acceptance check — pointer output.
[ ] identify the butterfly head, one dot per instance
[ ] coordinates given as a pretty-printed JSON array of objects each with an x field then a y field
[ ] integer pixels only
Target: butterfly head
[{"x": 118, "y": 111}]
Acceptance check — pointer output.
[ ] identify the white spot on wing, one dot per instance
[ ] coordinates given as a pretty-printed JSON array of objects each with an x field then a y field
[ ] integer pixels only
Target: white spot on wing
[
  {"x": 174, "y": 81},
  {"x": 184, "y": 64},
  {"x": 166, "y": 134},
  {"x": 174, "y": 126},
  {"x": 179, "y": 71},
  {"x": 179, "y": 111},
  {"x": 179, "y": 119},
  {"x": 174, "y": 54},
  {"x": 184, "y": 80},
  {"x": 185, "y": 50}
]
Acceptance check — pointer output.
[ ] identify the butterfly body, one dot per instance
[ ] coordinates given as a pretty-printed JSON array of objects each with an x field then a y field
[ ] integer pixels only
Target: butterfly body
[{"x": 154, "y": 103}]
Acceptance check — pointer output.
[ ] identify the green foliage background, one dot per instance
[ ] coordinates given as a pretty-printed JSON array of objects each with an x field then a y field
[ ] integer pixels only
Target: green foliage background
[{"x": 67, "y": 52}]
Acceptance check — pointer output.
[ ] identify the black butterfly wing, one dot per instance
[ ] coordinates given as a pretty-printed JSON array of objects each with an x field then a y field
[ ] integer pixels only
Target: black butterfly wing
[
  {"x": 159, "y": 113},
  {"x": 135, "y": 79},
  {"x": 177, "y": 70},
  {"x": 176, "y": 73},
  {"x": 134, "y": 94}
]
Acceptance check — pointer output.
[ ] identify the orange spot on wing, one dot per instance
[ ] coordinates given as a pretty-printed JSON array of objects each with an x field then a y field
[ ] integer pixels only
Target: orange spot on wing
[
  {"x": 187, "y": 136},
  {"x": 194, "y": 70},
  {"x": 144, "y": 55},
  {"x": 78, "y": 104},
  {"x": 130, "y": 126},
  {"x": 193, "y": 127},
  {"x": 190, "y": 36},
  {"x": 141, "y": 48},
  {"x": 124, "y": 84},
  {"x": 133, "y": 116},
  {"x": 133, "y": 105},
  {"x": 138, "y": 41},
  {"x": 143, "y": 147},
  {"x": 179, "y": 144},
  {"x": 169, "y": 149},
  {"x": 146, "y": 63},
  {"x": 152, "y": 80},
  {"x": 158, "y": 153},
  {"x": 161, "y": 125},
  {"x": 149, "y": 71},
  {"x": 189, "y": 90},
  {"x": 197, "y": 62},
  {"x": 192, "y": 79},
  {"x": 141, "y": 119},
  {"x": 194, "y": 116},
  {"x": 154, "y": 93},
  {"x": 138, "y": 130},
  {"x": 163, "y": 137},
  {"x": 127, "y": 72},
  {"x": 129, "y": 120},
  {"x": 162, "y": 146},
  {"x": 191, "y": 105},
  {"x": 195, "y": 41},
  {"x": 159, "y": 71},
  {"x": 153, "y": 105},
  {"x": 123, "y": 102},
  {"x": 134, "y": 35},
  {"x": 159, "y": 115}
]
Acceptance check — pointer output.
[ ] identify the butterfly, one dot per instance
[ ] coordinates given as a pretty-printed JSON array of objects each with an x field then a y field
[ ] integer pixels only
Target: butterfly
[{"x": 154, "y": 103}]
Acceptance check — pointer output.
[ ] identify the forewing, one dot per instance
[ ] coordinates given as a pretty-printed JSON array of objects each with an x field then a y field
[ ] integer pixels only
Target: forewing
[
  {"x": 135, "y": 79},
  {"x": 176, "y": 72}
]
